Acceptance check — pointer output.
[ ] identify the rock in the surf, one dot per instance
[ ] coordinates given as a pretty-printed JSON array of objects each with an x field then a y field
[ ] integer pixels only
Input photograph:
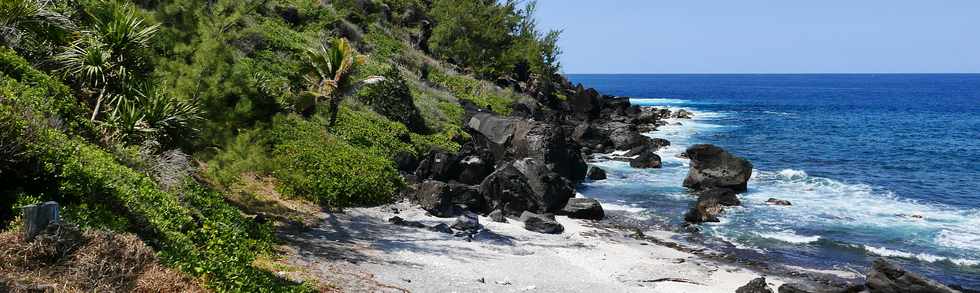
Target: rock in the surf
[
  {"x": 886, "y": 277},
  {"x": 712, "y": 166},
  {"x": 596, "y": 173},
  {"x": 710, "y": 204},
  {"x": 778, "y": 202},
  {"x": 583, "y": 208},
  {"x": 683, "y": 114},
  {"x": 757, "y": 285},
  {"x": 646, "y": 160}
]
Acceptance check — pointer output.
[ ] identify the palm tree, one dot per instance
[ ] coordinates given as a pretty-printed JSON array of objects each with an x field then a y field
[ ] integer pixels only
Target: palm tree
[
  {"x": 19, "y": 17},
  {"x": 332, "y": 65}
]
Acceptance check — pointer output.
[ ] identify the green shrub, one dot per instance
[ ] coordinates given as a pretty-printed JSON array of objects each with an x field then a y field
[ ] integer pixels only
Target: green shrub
[
  {"x": 325, "y": 169},
  {"x": 479, "y": 92}
]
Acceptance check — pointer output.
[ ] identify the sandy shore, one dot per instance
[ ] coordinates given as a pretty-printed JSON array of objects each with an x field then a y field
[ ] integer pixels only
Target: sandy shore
[{"x": 359, "y": 251}]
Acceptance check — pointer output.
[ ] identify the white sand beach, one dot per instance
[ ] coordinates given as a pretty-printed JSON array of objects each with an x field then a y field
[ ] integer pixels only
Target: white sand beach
[{"x": 359, "y": 251}]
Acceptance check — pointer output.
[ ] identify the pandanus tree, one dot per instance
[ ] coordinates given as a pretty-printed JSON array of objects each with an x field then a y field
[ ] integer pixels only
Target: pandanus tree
[
  {"x": 21, "y": 17},
  {"x": 333, "y": 64},
  {"x": 108, "y": 57}
]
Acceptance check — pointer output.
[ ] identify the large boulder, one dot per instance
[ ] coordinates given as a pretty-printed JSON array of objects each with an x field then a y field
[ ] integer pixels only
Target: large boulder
[
  {"x": 447, "y": 199},
  {"x": 541, "y": 223},
  {"x": 712, "y": 166},
  {"x": 886, "y": 277},
  {"x": 757, "y": 285},
  {"x": 472, "y": 169},
  {"x": 509, "y": 138},
  {"x": 710, "y": 204},
  {"x": 646, "y": 160},
  {"x": 585, "y": 103},
  {"x": 583, "y": 208},
  {"x": 526, "y": 185}
]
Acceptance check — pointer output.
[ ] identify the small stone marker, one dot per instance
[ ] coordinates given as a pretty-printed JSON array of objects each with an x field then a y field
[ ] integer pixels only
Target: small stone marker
[{"x": 38, "y": 216}]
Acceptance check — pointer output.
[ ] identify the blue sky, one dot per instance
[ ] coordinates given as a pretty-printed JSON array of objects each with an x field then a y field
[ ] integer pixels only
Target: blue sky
[{"x": 766, "y": 36}]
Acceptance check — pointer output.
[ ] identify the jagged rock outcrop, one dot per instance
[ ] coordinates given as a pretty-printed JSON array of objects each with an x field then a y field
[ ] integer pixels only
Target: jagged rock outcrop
[
  {"x": 509, "y": 138},
  {"x": 808, "y": 288},
  {"x": 713, "y": 167}
]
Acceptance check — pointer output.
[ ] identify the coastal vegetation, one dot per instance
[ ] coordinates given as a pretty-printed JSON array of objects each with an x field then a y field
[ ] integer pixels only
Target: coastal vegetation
[{"x": 146, "y": 118}]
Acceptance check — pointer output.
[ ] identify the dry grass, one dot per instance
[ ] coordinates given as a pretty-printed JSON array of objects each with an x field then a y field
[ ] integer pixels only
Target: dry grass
[
  {"x": 257, "y": 195},
  {"x": 64, "y": 259}
]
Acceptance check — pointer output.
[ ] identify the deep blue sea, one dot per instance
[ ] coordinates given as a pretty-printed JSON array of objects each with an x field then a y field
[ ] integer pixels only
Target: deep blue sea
[{"x": 874, "y": 165}]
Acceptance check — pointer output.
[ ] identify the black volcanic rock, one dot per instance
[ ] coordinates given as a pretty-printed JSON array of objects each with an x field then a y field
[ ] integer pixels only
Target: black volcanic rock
[
  {"x": 596, "y": 173},
  {"x": 583, "y": 208},
  {"x": 526, "y": 185},
  {"x": 757, "y": 285},
  {"x": 886, "y": 277},
  {"x": 541, "y": 223},
  {"x": 710, "y": 204},
  {"x": 712, "y": 166},
  {"x": 646, "y": 160}
]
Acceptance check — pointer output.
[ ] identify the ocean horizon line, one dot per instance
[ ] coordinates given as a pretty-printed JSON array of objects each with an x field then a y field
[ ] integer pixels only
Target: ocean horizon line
[{"x": 789, "y": 73}]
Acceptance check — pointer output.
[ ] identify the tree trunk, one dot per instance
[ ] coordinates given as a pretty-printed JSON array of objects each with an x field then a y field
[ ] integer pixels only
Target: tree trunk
[
  {"x": 98, "y": 103},
  {"x": 334, "y": 108}
]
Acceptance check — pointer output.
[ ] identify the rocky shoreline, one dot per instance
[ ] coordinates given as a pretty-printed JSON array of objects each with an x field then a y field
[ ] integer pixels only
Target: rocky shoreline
[{"x": 525, "y": 167}]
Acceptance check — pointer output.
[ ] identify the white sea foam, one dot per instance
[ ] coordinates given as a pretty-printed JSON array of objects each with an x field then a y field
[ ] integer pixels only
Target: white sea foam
[
  {"x": 881, "y": 251},
  {"x": 790, "y": 237},
  {"x": 790, "y": 174},
  {"x": 657, "y": 101}
]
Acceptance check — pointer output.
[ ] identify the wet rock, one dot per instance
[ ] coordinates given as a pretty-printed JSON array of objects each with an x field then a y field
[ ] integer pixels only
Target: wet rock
[
  {"x": 583, "y": 208},
  {"x": 710, "y": 204},
  {"x": 498, "y": 216},
  {"x": 757, "y": 285},
  {"x": 646, "y": 160},
  {"x": 596, "y": 173},
  {"x": 712, "y": 166},
  {"x": 541, "y": 223},
  {"x": 886, "y": 277},
  {"x": 778, "y": 202},
  {"x": 683, "y": 114}
]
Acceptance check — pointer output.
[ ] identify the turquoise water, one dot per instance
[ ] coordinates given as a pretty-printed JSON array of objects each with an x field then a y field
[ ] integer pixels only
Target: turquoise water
[{"x": 875, "y": 165}]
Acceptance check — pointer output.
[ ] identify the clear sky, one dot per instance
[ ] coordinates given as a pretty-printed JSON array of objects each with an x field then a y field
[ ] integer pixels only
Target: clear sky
[{"x": 766, "y": 36}]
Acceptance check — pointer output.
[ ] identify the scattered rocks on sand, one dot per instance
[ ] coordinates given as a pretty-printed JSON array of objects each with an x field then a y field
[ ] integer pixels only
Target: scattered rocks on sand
[
  {"x": 583, "y": 208},
  {"x": 467, "y": 222},
  {"x": 757, "y": 285},
  {"x": 710, "y": 204},
  {"x": 886, "y": 277},
  {"x": 646, "y": 160},
  {"x": 541, "y": 223},
  {"x": 778, "y": 202},
  {"x": 596, "y": 173},
  {"x": 712, "y": 166}
]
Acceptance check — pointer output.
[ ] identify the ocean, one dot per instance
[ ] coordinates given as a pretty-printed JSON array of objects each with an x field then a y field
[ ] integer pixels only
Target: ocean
[{"x": 874, "y": 166}]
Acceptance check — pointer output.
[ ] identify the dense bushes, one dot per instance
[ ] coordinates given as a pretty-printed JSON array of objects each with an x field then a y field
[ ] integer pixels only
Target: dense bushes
[{"x": 393, "y": 99}]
